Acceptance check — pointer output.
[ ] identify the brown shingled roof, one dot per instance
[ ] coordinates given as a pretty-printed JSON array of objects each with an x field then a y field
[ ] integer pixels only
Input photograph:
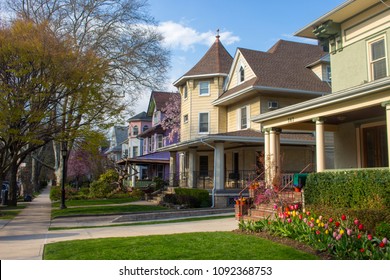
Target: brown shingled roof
[
  {"x": 216, "y": 60},
  {"x": 284, "y": 66},
  {"x": 160, "y": 98}
]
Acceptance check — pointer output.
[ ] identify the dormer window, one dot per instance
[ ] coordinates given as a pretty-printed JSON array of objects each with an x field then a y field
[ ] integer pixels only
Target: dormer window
[{"x": 241, "y": 74}]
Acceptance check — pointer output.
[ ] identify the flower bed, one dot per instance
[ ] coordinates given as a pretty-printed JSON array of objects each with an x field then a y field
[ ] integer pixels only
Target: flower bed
[{"x": 343, "y": 237}]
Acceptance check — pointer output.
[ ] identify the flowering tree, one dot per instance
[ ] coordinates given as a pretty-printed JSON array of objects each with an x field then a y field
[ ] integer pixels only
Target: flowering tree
[
  {"x": 79, "y": 164},
  {"x": 171, "y": 119}
]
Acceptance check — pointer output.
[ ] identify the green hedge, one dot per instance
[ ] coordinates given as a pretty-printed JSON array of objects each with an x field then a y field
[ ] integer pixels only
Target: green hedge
[
  {"x": 195, "y": 197},
  {"x": 357, "y": 190}
]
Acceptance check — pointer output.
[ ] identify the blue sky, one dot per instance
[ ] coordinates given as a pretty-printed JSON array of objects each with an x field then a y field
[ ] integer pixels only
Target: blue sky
[{"x": 189, "y": 27}]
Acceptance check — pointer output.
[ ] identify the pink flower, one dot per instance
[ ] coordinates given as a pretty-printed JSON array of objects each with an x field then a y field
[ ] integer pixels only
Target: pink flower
[
  {"x": 369, "y": 236},
  {"x": 300, "y": 216},
  {"x": 349, "y": 232},
  {"x": 385, "y": 241},
  {"x": 291, "y": 207},
  {"x": 330, "y": 220},
  {"x": 320, "y": 218},
  {"x": 305, "y": 220},
  {"x": 356, "y": 221},
  {"x": 326, "y": 226},
  {"x": 308, "y": 213},
  {"x": 289, "y": 220},
  {"x": 296, "y": 206},
  {"x": 343, "y": 217},
  {"x": 338, "y": 237},
  {"x": 275, "y": 206},
  {"x": 334, "y": 234}
]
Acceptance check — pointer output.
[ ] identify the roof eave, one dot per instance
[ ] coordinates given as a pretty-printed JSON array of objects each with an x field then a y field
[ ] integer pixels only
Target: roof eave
[
  {"x": 224, "y": 100},
  {"x": 183, "y": 78},
  {"x": 361, "y": 90}
]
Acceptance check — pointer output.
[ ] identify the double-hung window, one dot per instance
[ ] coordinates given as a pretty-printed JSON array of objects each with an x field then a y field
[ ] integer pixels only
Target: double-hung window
[
  {"x": 160, "y": 142},
  {"x": 204, "y": 88},
  {"x": 377, "y": 55},
  {"x": 203, "y": 122},
  {"x": 243, "y": 118}
]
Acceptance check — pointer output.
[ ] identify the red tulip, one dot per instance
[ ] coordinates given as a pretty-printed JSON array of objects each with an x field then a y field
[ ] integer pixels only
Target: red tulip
[
  {"x": 381, "y": 244},
  {"x": 356, "y": 222},
  {"x": 308, "y": 213},
  {"x": 337, "y": 224},
  {"x": 362, "y": 250},
  {"x": 330, "y": 220},
  {"x": 300, "y": 216},
  {"x": 318, "y": 232},
  {"x": 361, "y": 227},
  {"x": 369, "y": 236},
  {"x": 343, "y": 217},
  {"x": 359, "y": 236}
]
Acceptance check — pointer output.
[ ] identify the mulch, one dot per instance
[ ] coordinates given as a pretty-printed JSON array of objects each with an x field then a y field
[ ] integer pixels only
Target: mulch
[{"x": 288, "y": 242}]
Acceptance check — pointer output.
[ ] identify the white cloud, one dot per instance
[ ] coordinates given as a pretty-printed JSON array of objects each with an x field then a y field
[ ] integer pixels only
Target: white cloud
[{"x": 179, "y": 36}]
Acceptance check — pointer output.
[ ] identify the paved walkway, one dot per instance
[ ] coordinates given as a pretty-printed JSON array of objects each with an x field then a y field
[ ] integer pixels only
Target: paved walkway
[{"x": 24, "y": 237}]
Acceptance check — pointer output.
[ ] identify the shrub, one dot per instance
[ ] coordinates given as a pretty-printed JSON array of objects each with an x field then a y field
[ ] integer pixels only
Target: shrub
[
  {"x": 195, "y": 197},
  {"x": 357, "y": 190},
  {"x": 383, "y": 229},
  {"x": 104, "y": 186}
]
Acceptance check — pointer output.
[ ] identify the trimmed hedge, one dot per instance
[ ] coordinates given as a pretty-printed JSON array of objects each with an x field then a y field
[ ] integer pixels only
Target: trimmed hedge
[
  {"x": 192, "y": 197},
  {"x": 357, "y": 190}
]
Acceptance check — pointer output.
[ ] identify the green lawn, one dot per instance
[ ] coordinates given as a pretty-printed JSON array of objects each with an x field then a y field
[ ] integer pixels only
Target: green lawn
[
  {"x": 10, "y": 212},
  {"x": 83, "y": 202},
  {"x": 101, "y": 210},
  {"x": 186, "y": 246}
]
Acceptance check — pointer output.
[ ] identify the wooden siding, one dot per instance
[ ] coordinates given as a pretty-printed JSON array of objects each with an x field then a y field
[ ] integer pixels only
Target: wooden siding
[
  {"x": 249, "y": 74},
  {"x": 232, "y": 114}
]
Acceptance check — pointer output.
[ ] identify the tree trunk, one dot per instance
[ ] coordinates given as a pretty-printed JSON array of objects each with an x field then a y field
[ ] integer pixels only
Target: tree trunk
[{"x": 13, "y": 187}]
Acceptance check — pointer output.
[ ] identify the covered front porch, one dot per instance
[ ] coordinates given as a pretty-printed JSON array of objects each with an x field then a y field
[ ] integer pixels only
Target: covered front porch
[
  {"x": 225, "y": 164},
  {"x": 359, "y": 119}
]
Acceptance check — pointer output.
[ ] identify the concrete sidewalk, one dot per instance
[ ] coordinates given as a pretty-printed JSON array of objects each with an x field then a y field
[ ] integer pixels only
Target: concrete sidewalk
[{"x": 24, "y": 237}]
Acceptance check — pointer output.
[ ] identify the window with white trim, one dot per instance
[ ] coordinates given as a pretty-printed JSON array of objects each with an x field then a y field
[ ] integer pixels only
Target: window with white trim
[
  {"x": 145, "y": 128},
  {"x": 135, "y": 130},
  {"x": 243, "y": 115},
  {"x": 241, "y": 74},
  {"x": 204, "y": 88},
  {"x": 160, "y": 142},
  {"x": 203, "y": 122},
  {"x": 185, "y": 118},
  {"x": 377, "y": 56},
  {"x": 185, "y": 92},
  {"x": 135, "y": 151}
]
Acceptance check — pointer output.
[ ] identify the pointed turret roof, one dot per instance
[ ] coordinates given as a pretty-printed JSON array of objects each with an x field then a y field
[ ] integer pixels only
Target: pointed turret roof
[{"x": 217, "y": 60}]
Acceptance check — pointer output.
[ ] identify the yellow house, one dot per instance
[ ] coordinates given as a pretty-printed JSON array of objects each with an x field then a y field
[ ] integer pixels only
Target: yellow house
[
  {"x": 220, "y": 145},
  {"x": 358, "y": 109}
]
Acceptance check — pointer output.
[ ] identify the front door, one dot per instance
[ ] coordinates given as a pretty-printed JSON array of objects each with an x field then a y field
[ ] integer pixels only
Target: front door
[{"x": 375, "y": 146}]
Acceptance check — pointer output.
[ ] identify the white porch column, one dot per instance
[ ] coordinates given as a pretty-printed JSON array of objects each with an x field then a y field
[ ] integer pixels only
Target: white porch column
[
  {"x": 219, "y": 166},
  {"x": 182, "y": 168},
  {"x": 267, "y": 156},
  {"x": 274, "y": 154},
  {"x": 387, "y": 106},
  {"x": 320, "y": 144},
  {"x": 172, "y": 168},
  {"x": 192, "y": 167}
]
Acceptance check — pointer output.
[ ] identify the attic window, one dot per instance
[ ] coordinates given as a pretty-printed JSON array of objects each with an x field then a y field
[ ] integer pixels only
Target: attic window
[{"x": 241, "y": 74}]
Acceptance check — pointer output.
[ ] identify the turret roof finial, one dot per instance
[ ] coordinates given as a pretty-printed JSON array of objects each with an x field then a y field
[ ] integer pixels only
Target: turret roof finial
[{"x": 217, "y": 34}]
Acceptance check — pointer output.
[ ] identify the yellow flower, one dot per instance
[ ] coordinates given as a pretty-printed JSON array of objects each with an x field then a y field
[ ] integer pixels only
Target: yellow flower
[
  {"x": 318, "y": 221},
  {"x": 326, "y": 231},
  {"x": 322, "y": 224},
  {"x": 341, "y": 232}
]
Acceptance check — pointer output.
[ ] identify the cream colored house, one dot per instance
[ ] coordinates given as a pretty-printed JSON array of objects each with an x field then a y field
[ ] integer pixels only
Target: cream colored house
[
  {"x": 220, "y": 144},
  {"x": 358, "y": 109}
]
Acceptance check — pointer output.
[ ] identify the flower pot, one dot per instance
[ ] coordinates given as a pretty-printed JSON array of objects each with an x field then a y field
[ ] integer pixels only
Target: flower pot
[{"x": 297, "y": 189}]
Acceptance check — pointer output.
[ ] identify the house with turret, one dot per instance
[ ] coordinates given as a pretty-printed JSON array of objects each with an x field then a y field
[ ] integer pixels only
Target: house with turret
[{"x": 221, "y": 147}]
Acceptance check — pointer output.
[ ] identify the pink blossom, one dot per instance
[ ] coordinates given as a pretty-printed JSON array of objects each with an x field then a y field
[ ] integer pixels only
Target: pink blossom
[
  {"x": 289, "y": 220},
  {"x": 326, "y": 226},
  {"x": 385, "y": 241},
  {"x": 296, "y": 206},
  {"x": 338, "y": 237},
  {"x": 369, "y": 236},
  {"x": 356, "y": 221},
  {"x": 330, "y": 220},
  {"x": 320, "y": 218},
  {"x": 334, "y": 234},
  {"x": 349, "y": 232},
  {"x": 305, "y": 220},
  {"x": 275, "y": 206}
]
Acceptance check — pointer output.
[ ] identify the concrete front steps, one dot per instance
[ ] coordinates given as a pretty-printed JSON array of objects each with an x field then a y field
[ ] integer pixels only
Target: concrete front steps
[{"x": 173, "y": 214}]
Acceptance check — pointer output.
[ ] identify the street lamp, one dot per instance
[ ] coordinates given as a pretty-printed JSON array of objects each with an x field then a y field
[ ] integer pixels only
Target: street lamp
[{"x": 64, "y": 152}]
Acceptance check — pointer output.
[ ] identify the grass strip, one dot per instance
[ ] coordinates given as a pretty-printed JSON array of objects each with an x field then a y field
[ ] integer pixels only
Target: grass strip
[
  {"x": 149, "y": 223},
  {"x": 185, "y": 246},
  {"x": 99, "y": 210},
  {"x": 83, "y": 202}
]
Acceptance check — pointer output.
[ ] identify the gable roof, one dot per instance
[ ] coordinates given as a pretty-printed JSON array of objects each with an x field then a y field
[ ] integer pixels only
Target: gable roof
[
  {"x": 284, "y": 66},
  {"x": 158, "y": 99},
  {"x": 217, "y": 60}
]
